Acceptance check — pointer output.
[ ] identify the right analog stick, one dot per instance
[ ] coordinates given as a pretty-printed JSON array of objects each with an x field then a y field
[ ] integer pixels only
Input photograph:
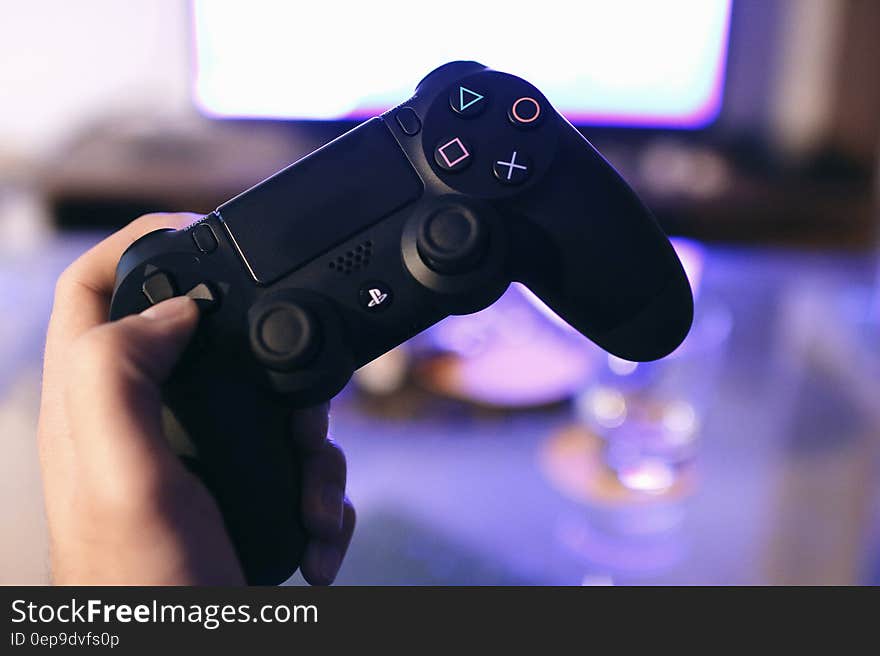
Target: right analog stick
[
  {"x": 452, "y": 240},
  {"x": 284, "y": 335}
]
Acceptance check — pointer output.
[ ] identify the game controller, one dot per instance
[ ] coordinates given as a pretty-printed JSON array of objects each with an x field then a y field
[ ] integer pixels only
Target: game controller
[{"x": 431, "y": 209}]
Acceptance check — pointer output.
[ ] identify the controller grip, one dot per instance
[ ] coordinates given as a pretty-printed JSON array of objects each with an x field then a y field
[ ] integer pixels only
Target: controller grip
[
  {"x": 594, "y": 253},
  {"x": 233, "y": 435}
]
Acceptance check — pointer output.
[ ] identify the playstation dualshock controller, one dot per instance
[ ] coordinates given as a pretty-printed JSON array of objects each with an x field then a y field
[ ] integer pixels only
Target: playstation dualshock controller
[{"x": 431, "y": 209}]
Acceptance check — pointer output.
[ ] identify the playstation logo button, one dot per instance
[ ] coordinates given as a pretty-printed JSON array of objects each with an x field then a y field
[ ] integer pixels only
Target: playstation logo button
[{"x": 375, "y": 296}]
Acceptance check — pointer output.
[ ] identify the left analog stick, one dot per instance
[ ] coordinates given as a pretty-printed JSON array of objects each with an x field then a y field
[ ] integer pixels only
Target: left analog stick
[{"x": 284, "y": 335}]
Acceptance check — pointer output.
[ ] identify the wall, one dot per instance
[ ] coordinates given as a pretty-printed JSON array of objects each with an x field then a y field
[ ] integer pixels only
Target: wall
[{"x": 65, "y": 63}]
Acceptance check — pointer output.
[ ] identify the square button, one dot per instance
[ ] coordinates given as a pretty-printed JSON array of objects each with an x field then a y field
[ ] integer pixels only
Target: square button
[{"x": 452, "y": 155}]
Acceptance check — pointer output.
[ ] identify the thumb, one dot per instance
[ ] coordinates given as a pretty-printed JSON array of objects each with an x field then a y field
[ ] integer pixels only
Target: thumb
[
  {"x": 154, "y": 340},
  {"x": 113, "y": 393}
]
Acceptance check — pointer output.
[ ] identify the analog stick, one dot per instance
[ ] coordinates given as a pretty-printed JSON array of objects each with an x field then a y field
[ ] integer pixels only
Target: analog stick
[
  {"x": 452, "y": 240},
  {"x": 284, "y": 335}
]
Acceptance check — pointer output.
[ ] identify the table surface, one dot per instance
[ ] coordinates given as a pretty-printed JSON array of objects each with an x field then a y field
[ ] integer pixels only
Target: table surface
[{"x": 788, "y": 489}]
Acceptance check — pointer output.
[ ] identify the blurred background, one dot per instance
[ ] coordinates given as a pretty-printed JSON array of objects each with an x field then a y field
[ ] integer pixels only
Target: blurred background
[{"x": 502, "y": 448}]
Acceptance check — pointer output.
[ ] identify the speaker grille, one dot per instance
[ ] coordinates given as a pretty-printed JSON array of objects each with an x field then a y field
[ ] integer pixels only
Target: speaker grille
[{"x": 353, "y": 260}]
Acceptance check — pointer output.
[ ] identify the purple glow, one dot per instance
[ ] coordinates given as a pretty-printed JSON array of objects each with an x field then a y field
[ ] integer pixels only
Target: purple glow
[
  {"x": 652, "y": 476},
  {"x": 508, "y": 356},
  {"x": 623, "y": 63},
  {"x": 691, "y": 254},
  {"x": 621, "y": 551}
]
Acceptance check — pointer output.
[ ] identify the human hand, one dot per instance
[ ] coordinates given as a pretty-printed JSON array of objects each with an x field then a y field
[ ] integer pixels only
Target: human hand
[{"x": 121, "y": 507}]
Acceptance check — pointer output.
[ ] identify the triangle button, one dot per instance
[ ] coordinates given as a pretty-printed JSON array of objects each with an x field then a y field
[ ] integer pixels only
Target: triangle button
[
  {"x": 467, "y": 98},
  {"x": 466, "y": 101}
]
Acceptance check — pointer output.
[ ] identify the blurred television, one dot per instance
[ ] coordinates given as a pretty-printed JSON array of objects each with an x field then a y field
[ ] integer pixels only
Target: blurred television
[
  {"x": 735, "y": 120},
  {"x": 704, "y": 105},
  {"x": 599, "y": 66}
]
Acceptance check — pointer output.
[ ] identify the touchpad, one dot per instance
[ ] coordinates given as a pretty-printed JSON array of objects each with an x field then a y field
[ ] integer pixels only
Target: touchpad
[{"x": 323, "y": 199}]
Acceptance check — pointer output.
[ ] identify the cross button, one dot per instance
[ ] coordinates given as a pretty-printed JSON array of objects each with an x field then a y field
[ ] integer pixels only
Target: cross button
[{"x": 513, "y": 172}]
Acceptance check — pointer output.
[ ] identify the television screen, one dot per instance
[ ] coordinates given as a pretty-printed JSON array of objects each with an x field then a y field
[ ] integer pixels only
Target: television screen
[{"x": 639, "y": 63}]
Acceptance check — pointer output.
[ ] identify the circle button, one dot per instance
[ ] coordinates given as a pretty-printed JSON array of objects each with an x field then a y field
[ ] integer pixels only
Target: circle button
[{"x": 525, "y": 112}]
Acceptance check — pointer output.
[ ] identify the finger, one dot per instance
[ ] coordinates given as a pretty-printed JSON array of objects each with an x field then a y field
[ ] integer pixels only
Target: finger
[
  {"x": 82, "y": 294},
  {"x": 323, "y": 491},
  {"x": 322, "y": 559},
  {"x": 113, "y": 393},
  {"x": 308, "y": 427},
  {"x": 82, "y": 297}
]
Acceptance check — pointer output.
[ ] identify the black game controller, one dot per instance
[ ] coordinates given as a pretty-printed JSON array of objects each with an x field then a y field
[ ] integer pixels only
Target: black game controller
[{"x": 429, "y": 210}]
